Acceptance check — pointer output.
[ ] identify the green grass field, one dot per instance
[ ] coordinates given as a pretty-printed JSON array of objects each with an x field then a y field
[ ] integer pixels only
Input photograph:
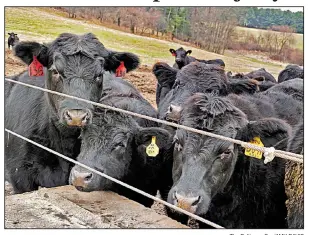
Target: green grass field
[{"x": 46, "y": 24}]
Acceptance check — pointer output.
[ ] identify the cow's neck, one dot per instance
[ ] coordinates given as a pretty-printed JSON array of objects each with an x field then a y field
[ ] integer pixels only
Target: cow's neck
[{"x": 240, "y": 195}]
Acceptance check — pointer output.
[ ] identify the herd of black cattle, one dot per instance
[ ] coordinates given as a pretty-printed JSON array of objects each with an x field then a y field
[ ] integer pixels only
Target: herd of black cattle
[{"x": 206, "y": 176}]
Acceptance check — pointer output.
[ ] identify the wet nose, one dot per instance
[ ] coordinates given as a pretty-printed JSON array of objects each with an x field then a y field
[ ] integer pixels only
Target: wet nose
[
  {"x": 77, "y": 117},
  {"x": 188, "y": 203},
  {"x": 80, "y": 179},
  {"x": 178, "y": 60}
]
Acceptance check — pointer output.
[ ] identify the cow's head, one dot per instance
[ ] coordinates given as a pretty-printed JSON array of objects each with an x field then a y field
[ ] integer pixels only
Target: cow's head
[
  {"x": 204, "y": 165},
  {"x": 194, "y": 77},
  {"x": 75, "y": 66},
  {"x": 14, "y": 38},
  {"x": 115, "y": 145},
  {"x": 180, "y": 56}
]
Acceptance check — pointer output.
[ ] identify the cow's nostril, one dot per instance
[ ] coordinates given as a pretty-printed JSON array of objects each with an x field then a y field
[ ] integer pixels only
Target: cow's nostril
[
  {"x": 196, "y": 201},
  {"x": 175, "y": 196},
  {"x": 88, "y": 177},
  {"x": 79, "y": 188},
  {"x": 86, "y": 117},
  {"x": 67, "y": 115},
  {"x": 170, "y": 108}
]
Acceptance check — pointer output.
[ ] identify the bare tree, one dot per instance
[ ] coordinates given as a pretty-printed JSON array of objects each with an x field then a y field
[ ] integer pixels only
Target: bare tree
[{"x": 284, "y": 38}]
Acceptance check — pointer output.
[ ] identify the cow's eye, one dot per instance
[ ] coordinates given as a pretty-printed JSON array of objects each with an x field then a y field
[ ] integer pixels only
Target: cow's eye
[
  {"x": 227, "y": 153},
  {"x": 118, "y": 146},
  {"x": 178, "y": 145},
  {"x": 99, "y": 80},
  {"x": 55, "y": 75}
]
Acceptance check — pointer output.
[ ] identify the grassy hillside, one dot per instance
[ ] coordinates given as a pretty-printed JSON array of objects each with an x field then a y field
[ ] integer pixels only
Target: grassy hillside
[
  {"x": 45, "y": 24},
  {"x": 299, "y": 38}
]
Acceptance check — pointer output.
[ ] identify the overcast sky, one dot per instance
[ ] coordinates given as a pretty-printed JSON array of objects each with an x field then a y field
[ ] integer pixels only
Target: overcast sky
[{"x": 293, "y": 9}]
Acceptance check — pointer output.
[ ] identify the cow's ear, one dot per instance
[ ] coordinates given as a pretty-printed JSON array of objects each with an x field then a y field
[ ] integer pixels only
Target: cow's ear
[
  {"x": 10, "y": 34},
  {"x": 165, "y": 74},
  {"x": 188, "y": 52},
  {"x": 271, "y": 131},
  {"x": 113, "y": 61},
  {"x": 173, "y": 52},
  {"x": 146, "y": 136},
  {"x": 26, "y": 50}
]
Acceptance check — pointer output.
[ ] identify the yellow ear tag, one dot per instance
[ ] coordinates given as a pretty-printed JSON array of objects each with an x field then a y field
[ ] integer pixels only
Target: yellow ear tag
[
  {"x": 254, "y": 153},
  {"x": 152, "y": 150}
]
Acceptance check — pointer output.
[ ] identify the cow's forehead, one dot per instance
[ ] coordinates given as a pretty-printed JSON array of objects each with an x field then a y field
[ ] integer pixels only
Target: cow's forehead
[
  {"x": 105, "y": 134},
  {"x": 180, "y": 50}
]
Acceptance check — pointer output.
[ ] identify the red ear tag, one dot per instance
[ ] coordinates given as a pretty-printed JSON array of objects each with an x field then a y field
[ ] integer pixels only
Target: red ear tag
[
  {"x": 35, "y": 68},
  {"x": 173, "y": 54},
  {"x": 121, "y": 70}
]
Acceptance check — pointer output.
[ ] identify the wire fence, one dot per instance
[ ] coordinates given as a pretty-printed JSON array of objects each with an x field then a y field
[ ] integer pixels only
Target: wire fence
[
  {"x": 277, "y": 153},
  {"x": 118, "y": 181},
  {"x": 269, "y": 151}
]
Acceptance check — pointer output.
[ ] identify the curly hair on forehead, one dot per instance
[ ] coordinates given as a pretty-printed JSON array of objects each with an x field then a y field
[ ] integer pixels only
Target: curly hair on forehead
[
  {"x": 204, "y": 109},
  {"x": 71, "y": 44}
]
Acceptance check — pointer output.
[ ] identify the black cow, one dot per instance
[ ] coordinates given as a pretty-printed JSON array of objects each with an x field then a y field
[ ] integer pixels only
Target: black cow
[
  {"x": 256, "y": 74},
  {"x": 287, "y": 99},
  {"x": 261, "y": 73},
  {"x": 214, "y": 179},
  {"x": 115, "y": 144},
  {"x": 122, "y": 94},
  {"x": 294, "y": 180},
  {"x": 12, "y": 40},
  {"x": 215, "y": 61},
  {"x": 182, "y": 59},
  {"x": 266, "y": 80},
  {"x": 290, "y": 72},
  {"x": 293, "y": 88},
  {"x": 196, "y": 77},
  {"x": 75, "y": 66},
  {"x": 283, "y": 101},
  {"x": 166, "y": 77}
]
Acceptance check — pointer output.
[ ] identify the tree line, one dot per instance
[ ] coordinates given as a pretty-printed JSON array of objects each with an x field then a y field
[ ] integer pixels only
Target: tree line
[
  {"x": 264, "y": 18},
  {"x": 210, "y": 28}
]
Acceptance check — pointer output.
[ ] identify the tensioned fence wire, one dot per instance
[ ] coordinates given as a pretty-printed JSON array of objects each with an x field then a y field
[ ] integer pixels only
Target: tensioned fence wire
[
  {"x": 196, "y": 217},
  {"x": 277, "y": 153}
]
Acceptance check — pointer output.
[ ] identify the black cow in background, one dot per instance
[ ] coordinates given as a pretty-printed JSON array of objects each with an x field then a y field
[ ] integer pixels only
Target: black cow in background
[
  {"x": 215, "y": 61},
  {"x": 12, "y": 40},
  {"x": 182, "y": 59},
  {"x": 214, "y": 179},
  {"x": 265, "y": 79},
  {"x": 196, "y": 77},
  {"x": 75, "y": 65},
  {"x": 293, "y": 88},
  {"x": 115, "y": 144},
  {"x": 291, "y": 71},
  {"x": 122, "y": 94},
  {"x": 256, "y": 74}
]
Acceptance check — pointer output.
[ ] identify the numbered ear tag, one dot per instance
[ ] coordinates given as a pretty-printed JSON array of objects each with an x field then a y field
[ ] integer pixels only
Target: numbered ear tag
[
  {"x": 121, "y": 70},
  {"x": 152, "y": 150},
  {"x": 254, "y": 153},
  {"x": 35, "y": 68}
]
